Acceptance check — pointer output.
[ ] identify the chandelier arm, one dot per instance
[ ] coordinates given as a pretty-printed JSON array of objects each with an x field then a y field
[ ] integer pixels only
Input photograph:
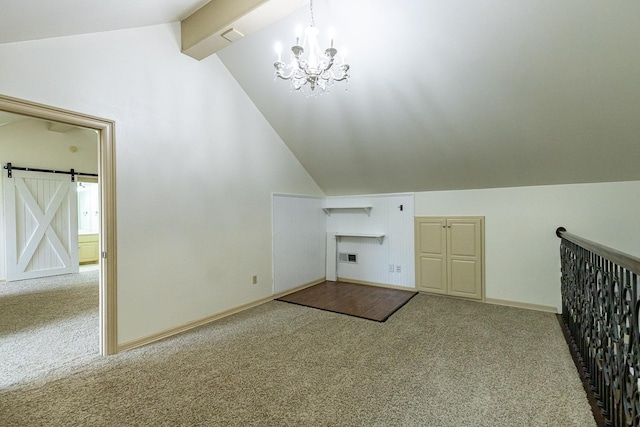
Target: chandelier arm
[
  {"x": 329, "y": 65},
  {"x": 344, "y": 73},
  {"x": 326, "y": 75},
  {"x": 283, "y": 77},
  {"x": 279, "y": 71}
]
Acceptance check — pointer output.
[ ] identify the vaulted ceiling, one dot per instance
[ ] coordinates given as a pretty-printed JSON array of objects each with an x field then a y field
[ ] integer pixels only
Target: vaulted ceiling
[
  {"x": 37, "y": 19},
  {"x": 445, "y": 94}
]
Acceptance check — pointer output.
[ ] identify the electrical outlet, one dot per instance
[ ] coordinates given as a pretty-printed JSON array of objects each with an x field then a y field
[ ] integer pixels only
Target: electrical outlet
[
  {"x": 398, "y": 269},
  {"x": 255, "y": 280},
  {"x": 391, "y": 268}
]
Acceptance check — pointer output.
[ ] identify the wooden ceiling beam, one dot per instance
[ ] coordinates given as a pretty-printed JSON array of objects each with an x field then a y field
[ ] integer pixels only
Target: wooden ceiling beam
[{"x": 220, "y": 22}]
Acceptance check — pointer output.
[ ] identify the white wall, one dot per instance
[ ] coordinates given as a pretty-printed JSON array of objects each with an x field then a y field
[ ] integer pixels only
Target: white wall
[
  {"x": 29, "y": 143},
  {"x": 374, "y": 258},
  {"x": 196, "y": 167},
  {"x": 522, "y": 252},
  {"x": 299, "y": 228}
]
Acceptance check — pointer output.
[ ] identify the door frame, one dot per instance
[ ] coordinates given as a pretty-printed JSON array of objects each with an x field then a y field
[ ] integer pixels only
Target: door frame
[{"x": 107, "y": 173}]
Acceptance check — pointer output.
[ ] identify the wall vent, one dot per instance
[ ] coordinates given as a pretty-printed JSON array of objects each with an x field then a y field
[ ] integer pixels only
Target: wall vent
[
  {"x": 232, "y": 35},
  {"x": 348, "y": 258}
]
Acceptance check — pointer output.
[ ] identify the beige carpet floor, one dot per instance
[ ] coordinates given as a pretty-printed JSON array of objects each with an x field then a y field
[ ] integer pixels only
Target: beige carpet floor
[
  {"x": 40, "y": 317},
  {"x": 435, "y": 362}
]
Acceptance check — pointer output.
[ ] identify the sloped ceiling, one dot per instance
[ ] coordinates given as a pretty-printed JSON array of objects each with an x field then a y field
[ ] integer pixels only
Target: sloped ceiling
[
  {"x": 459, "y": 94},
  {"x": 444, "y": 94},
  {"x": 22, "y": 20}
]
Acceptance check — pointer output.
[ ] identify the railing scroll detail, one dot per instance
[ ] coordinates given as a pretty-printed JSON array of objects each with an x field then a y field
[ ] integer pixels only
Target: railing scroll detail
[{"x": 601, "y": 310}]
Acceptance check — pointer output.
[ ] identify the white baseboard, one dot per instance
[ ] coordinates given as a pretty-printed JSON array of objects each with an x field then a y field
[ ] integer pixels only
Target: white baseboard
[
  {"x": 526, "y": 305},
  {"x": 194, "y": 324},
  {"x": 503, "y": 302},
  {"x": 298, "y": 288},
  {"x": 380, "y": 285}
]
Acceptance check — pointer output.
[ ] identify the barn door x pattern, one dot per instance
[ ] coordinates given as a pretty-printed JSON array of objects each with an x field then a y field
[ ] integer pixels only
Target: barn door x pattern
[{"x": 41, "y": 225}]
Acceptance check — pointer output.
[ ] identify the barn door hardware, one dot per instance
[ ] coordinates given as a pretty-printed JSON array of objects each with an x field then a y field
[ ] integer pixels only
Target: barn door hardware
[{"x": 9, "y": 167}]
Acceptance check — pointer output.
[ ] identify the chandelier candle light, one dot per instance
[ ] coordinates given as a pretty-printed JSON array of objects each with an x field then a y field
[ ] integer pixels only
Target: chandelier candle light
[{"x": 316, "y": 70}]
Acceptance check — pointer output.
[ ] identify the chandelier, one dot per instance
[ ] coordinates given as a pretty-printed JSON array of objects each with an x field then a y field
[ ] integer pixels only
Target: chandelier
[{"x": 317, "y": 69}]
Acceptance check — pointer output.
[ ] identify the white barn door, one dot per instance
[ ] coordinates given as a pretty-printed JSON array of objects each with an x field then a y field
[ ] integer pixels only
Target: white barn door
[{"x": 41, "y": 218}]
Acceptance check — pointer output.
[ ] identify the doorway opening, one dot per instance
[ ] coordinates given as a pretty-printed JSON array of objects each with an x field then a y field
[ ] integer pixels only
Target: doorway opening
[
  {"x": 88, "y": 195},
  {"x": 106, "y": 244}
]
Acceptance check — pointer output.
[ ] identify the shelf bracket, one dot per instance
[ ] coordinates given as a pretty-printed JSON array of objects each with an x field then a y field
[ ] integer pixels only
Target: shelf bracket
[
  {"x": 378, "y": 237},
  {"x": 366, "y": 209}
]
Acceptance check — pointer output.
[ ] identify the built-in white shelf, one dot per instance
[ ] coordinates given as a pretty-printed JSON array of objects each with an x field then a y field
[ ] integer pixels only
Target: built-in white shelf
[
  {"x": 380, "y": 237},
  {"x": 365, "y": 209}
]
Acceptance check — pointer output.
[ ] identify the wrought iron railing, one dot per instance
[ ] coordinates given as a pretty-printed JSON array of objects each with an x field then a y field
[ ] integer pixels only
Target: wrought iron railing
[{"x": 601, "y": 310}]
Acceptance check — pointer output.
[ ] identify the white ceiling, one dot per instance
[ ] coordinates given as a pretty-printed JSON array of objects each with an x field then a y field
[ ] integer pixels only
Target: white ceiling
[
  {"x": 22, "y": 20},
  {"x": 460, "y": 94},
  {"x": 444, "y": 94}
]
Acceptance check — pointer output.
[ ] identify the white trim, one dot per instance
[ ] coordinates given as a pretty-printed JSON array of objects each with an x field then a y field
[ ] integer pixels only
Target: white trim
[
  {"x": 107, "y": 172},
  {"x": 525, "y": 305},
  {"x": 379, "y": 285}
]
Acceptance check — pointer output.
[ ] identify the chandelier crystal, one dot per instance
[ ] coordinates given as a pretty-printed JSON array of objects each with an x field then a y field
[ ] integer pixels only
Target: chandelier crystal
[{"x": 317, "y": 69}]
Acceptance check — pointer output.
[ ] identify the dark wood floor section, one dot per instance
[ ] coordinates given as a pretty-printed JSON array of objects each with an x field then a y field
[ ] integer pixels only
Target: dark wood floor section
[{"x": 368, "y": 302}]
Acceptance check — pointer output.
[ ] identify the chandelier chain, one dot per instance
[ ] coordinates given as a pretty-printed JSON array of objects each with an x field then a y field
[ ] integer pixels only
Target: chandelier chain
[{"x": 313, "y": 22}]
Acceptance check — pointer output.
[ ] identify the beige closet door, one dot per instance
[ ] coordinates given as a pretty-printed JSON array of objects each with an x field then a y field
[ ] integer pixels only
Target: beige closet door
[
  {"x": 464, "y": 257},
  {"x": 431, "y": 254},
  {"x": 449, "y": 256}
]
